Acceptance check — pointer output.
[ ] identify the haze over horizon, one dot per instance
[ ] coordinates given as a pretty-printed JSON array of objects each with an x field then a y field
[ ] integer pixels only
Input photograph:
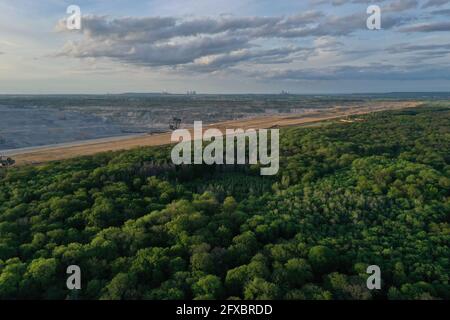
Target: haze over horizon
[{"x": 246, "y": 46}]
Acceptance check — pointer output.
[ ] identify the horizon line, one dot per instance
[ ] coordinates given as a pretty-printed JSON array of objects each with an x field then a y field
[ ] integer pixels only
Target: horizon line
[{"x": 224, "y": 94}]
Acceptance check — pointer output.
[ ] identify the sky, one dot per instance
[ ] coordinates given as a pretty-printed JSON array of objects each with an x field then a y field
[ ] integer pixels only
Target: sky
[{"x": 224, "y": 46}]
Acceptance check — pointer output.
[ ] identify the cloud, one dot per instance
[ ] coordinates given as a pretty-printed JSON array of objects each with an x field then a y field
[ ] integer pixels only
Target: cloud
[
  {"x": 155, "y": 54},
  {"x": 342, "y": 2},
  {"x": 401, "y": 48},
  {"x": 435, "y": 3},
  {"x": 428, "y": 27},
  {"x": 220, "y": 41},
  {"x": 369, "y": 72},
  {"x": 392, "y": 5},
  {"x": 151, "y": 29},
  {"x": 417, "y": 54},
  {"x": 156, "y": 41},
  {"x": 443, "y": 12},
  {"x": 279, "y": 44},
  {"x": 401, "y": 5},
  {"x": 271, "y": 56},
  {"x": 346, "y": 2}
]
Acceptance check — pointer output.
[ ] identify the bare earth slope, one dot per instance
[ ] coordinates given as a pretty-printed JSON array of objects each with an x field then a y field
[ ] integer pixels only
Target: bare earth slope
[{"x": 45, "y": 154}]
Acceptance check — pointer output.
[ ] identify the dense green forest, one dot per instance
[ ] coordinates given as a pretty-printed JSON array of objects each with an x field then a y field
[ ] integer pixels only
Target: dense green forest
[{"x": 348, "y": 195}]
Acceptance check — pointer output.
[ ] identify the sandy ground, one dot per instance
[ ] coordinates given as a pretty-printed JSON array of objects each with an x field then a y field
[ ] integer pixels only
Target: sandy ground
[{"x": 45, "y": 154}]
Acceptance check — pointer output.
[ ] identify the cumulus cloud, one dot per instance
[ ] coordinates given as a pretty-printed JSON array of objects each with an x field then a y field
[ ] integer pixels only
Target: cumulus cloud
[
  {"x": 278, "y": 44},
  {"x": 156, "y": 41},
  {"x": 207, "y": 42},
  {"x": 271, "y": 56}
]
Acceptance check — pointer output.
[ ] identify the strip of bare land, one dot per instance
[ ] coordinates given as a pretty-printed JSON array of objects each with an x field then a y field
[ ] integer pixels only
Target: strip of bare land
[{"x": 46, "y": 154}]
